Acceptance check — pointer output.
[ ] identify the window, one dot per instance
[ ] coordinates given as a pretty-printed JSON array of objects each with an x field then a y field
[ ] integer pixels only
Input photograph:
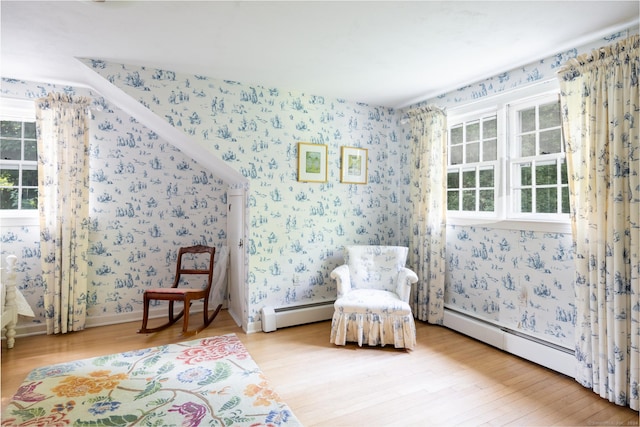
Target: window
[
  {"x": 507, "y": 161},
  {"x": 538, "y": 166},
  {"x": 18, "y": 157},
  {"x": 473, "y": 161}
]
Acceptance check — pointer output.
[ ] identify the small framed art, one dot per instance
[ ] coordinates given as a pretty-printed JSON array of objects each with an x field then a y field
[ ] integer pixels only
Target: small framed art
[
  {"x": 312, "y": 162},
  {"x": 354, "y": 165}
]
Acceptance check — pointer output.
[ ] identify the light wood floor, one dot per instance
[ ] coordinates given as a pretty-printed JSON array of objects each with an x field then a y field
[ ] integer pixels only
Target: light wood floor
[{"x": 447, "y": 380}]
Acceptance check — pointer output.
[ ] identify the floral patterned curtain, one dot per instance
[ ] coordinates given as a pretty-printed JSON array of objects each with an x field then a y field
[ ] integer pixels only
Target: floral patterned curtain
[
  {"x": 63, "y": 204},
  {"x": 601, "y": 113},
  {"x": 427, "y": 241}
]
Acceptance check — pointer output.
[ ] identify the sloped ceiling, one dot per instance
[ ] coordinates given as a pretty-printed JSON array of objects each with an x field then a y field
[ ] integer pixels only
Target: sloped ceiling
[{"x": 382, "y": 53}]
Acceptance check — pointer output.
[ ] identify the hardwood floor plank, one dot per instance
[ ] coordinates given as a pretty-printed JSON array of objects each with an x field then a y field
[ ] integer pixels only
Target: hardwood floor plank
[{"x": 449, "y": 379}]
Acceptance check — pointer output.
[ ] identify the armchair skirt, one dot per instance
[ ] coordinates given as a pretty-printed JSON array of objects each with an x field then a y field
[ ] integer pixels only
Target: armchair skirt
[{"x": 373, "y": 317}]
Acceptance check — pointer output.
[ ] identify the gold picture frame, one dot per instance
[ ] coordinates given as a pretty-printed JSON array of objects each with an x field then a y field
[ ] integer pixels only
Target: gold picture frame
[
  {"x": 354, "y": 165},
  {"x": 312, "y": 162}
]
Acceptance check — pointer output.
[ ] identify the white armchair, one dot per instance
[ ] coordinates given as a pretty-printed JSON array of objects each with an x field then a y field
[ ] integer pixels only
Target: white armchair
[{"x": 373, "y": 298}]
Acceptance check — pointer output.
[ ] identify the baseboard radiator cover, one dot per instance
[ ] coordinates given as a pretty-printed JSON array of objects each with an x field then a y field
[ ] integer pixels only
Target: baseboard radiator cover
[
  {"x": 549, "y": 355},
  {"x": 274, "y": 318}
]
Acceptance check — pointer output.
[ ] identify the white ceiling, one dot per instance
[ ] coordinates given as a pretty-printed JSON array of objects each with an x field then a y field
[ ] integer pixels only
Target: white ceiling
[{"x": 383, "y": 53}]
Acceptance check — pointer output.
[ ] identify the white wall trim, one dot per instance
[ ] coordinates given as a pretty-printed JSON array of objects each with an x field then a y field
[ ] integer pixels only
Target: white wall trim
[
  {"x": 184, "y": 142},
  {"x": 545, "y": 354}
]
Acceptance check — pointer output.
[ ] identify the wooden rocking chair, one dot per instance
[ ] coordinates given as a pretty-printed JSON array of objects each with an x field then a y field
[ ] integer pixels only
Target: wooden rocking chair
[{"x": 185, "y": 295}]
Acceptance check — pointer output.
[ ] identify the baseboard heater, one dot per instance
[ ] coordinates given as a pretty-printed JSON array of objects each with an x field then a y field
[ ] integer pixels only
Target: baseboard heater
[
  {"x": 281, "y": 317},
  {"x": 549, "y": 355}
]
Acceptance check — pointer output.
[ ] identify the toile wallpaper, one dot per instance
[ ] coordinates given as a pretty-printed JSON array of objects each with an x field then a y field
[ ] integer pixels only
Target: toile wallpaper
[{"x": 147, "y": 198}]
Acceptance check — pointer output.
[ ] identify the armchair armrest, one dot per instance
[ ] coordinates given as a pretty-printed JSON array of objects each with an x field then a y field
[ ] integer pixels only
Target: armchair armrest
[
  {"x": 406, "y": 278},
  {"x": 343, "y": 281}
]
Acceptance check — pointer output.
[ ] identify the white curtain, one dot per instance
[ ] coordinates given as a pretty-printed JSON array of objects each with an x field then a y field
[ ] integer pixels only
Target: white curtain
[
  {"x": 601, "y": 116},
  {"x": 427, "y": 240},
  {"x": 63, "y": 205}
]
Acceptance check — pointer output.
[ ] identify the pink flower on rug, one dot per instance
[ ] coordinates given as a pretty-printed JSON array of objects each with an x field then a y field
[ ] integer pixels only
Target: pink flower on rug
[
  {"x": 26, "y": 393},
  {"x": 213, "y": 349},
  {"x": 193, "y": 412}
]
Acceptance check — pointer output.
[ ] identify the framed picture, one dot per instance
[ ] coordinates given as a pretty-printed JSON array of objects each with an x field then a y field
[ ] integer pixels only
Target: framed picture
[
  {"x": 312, "y": 162},
  {"x": 354, "y": 165}
]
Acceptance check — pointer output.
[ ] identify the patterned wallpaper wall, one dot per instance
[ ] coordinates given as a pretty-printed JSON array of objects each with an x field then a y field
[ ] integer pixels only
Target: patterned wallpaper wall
[
  {"x": 520, "y": 279},
  {"x": 297, "y": 230},
  {"x": 146, "y": 200}
]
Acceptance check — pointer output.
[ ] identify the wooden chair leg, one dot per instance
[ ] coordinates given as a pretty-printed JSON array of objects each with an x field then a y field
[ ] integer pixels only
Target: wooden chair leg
[
  {"x": 185, "y": 309},
  {"x": 145, "y": 314},
  {"x": 205, "y": 312}
]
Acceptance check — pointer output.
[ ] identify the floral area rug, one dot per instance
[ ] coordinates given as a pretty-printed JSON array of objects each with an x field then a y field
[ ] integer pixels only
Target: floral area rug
[{"x": 205, "y": 382}]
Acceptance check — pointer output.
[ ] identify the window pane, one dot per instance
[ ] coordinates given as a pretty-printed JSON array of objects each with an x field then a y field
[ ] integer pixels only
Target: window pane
[
  {"x": 489, "y": 128},
  {"x": 30, "y": 150},
  {"x": 525, "y": 174},
  {"x": 453, "y": 200},
  {"x": 9, "y": 177},
  {"x": 456, "y": 155},
  {"x": 486, "y": 178},
  {"x": 546, "y": 174},
  {"x": 8, "y": 198},
  {"x": 469, "y": 200},
  {"x": 490, "y": 150},
  {"x": 486, "y": 200},
  {"x": 525, "y": 200},
  {"x": 528, "y": 120},
  {"x": 527, "y": 145},
  {"x": 565, "y": 200},
  {"x": 10, "y": 129},
  {"x": 10, "y": 149},
  {"x": 469, "y": 179},
  {"x": 550, "y": 141},
  {"x": 563, "y": 172},
  {"x": 550, "y": 115},
  {"x": 453, "y": 180},
  {"x": 30, "y": 177},
  {"x": 456, "y": 135},
  {"x": 29, "y": 198},
  {"x": 473, "y": 152},
  {"x": 473, "y": 131},
  {"x": 547, "y": 200},
  {"x": 30, "y": 130}
]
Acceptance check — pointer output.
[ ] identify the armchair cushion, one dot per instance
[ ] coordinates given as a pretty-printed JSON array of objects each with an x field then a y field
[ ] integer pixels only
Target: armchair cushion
[{"x": 373, "y": 293}]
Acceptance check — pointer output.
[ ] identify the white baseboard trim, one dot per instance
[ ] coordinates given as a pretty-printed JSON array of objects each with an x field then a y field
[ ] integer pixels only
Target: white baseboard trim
[
  {"x": 546, "y": 354},
  {"x": 30, "y": 329}
]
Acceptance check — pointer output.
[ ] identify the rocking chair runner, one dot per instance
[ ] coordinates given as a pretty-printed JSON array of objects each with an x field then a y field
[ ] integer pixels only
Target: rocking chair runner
[{"x": 185, "y": 295}]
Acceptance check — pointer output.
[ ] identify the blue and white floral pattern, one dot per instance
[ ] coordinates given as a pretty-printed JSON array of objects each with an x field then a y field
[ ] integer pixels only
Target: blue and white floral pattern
[
  {"x": 373, "y": 294},
  {"x": 63, "y": 207},
  {"x": 601, "y": 117},
  {"x": 520, "y": 280},
  {"x": 147, "y": 198},
  {"x": 294, "y": 227},
  {"x": 428, "y": 217}
]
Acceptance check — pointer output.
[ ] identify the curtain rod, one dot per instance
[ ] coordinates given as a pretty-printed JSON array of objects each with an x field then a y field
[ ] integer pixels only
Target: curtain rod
[{"x": 421, "y": 110}]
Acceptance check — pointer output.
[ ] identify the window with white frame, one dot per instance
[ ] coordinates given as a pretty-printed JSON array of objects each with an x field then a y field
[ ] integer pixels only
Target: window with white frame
[
  {"x": 507, "y": 161},
  {"x": 473, "y": 163},
  {"x": 537, "y": 164},
  {"x": 18, "y": 157}
]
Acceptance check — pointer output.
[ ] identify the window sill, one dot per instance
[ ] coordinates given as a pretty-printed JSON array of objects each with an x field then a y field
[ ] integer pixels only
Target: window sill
[
  {"x": 19, "y": 220},
  {"x": 521, "y": 225}
]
